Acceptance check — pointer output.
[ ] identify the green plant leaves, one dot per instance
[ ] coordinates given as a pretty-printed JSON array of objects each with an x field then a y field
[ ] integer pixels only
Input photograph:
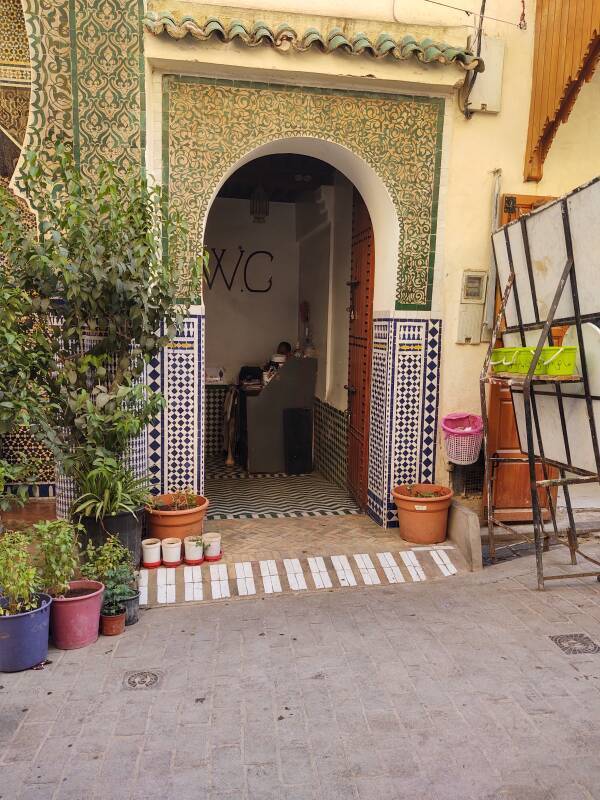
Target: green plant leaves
[{"x": 104, "y": 298}]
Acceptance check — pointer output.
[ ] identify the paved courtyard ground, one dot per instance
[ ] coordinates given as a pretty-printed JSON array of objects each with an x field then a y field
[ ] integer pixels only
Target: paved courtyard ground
[{"x": 433, "y": 690}]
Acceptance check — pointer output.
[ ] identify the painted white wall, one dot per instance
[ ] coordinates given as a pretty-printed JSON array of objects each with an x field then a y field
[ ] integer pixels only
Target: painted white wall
[
  {"x": 314, "y": 270},
  {"x": 242, "y": 326},
  {"x": 324, "y": 225},
  {"x": 341, "y": 232}
]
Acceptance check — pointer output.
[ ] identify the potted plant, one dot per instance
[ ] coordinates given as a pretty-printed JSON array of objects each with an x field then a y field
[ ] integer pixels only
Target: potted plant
[
  {"x": 117, "y": 591},
  {"x": 24, "y": 610},
  {"x": 212, "y": 547},
  {"x": 423, "y": 512},
  {"x": 105, "y": 562},
  {"x": 171, "y": 551},
  {"x": 75, "y": 611},
  {"x": 194, "y": 550},
  {"x": 112, "y": 501},
  {"x": 108, "y": 294},
  {"x": 151, "y": 553},
  {"x": 176, "y": 515}
]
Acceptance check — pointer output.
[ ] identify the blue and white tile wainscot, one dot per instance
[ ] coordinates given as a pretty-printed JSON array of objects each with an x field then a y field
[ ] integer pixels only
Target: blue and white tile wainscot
[
  {"x": 175, "y": 438},
  {"x": 404, "y": 409}
]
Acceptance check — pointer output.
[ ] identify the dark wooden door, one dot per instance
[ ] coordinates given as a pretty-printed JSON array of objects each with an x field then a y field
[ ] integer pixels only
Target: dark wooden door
[
  {"x": 512, "y": 498},
  {"x": 359, "y": 363}
]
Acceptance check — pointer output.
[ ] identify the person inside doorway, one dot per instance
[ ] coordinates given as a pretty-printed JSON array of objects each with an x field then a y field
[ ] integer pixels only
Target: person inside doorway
[{"x": 284, "y": 349}]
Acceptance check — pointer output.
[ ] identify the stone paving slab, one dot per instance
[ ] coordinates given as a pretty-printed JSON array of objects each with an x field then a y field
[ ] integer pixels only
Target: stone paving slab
[{"x": 435, "y": 690}]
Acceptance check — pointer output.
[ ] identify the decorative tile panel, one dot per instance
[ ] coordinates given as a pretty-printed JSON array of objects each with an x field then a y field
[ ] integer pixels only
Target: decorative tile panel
[
  {"x": 51, "y": 114},
  {"x": 331, "y": 442},
  {"x": 15, "y": 49},
  {"x": 87, "y": 72},
  {"x": 208, "y": 126},
  {"x": 404, "y": 408},
  {"x": 14, "y": 111},
  {"x": 214, "y": 398},
  {"x": 108, "y": 94},
  {"x": 380, "y": 424},
  {"x": 175, "y": 439}
]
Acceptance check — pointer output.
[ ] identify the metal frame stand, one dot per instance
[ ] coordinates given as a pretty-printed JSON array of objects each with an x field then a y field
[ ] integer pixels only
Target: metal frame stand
[{"x": 527, "y": 384}]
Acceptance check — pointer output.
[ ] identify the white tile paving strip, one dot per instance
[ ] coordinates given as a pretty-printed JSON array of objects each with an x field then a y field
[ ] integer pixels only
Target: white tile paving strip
[
  {"x": 392, "y": 571},
  {"x": 412, "y": 565},
  {"x": 245, "y": 578},
  {"x": 446, "y": 566},
  {"x": 270, "y": 576},
  {"x": 192, "y": 578},
  {"x": 219, "y": 582},
  {"x": 343, "y": 570},
  {"x": 163, "y": 589},
  {"x": 295, "y": 574},
  {"x": 165, "y": 585},
  {"x": 143, "y": 587},
  {"x": 366, "y": 569},
  {"x": 319, "y": 572}
]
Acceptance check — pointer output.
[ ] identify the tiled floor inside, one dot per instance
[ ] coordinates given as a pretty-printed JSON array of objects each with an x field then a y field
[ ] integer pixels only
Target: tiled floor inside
[
  {"x": 271, "y": 557},
  {"x": 236, "y": 494}
]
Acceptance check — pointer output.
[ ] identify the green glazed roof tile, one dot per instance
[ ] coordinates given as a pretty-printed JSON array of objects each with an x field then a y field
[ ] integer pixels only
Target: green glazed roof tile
[{"x": 285, "y": 37}]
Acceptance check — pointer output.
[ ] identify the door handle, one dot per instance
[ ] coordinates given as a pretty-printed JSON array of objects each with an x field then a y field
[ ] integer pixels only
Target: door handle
[{"x": 350, "y": 389}]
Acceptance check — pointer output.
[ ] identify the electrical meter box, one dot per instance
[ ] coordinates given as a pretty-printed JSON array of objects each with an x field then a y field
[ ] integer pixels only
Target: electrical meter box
[
  {"x": 472, "y": 304},
  {"x": 486, "y": 94}
]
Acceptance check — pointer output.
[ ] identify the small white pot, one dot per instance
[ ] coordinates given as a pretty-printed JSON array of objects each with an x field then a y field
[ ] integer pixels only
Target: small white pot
[
  {"x": 212, "y": 545},
  {"x": 171, "y": 551},
  {"x": 151, "y": 552},
  {"x": 194, "y": 548}
]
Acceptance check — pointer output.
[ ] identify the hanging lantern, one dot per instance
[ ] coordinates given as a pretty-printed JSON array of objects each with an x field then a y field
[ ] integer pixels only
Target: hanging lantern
[{"x": 259, "y": 205}]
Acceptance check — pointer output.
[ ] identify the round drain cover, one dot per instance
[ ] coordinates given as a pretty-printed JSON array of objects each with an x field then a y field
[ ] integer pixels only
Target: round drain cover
[{"x": 142, "y": 680}]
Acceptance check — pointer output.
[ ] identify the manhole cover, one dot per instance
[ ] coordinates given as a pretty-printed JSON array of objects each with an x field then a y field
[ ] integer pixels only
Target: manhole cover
[
  {"x": 141, "y": 680},
  {"x": 574, "y": 644}
]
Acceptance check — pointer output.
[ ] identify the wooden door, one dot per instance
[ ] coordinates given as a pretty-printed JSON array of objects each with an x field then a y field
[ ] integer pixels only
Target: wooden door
[
  {"x": 512, "y": 498},
  {"x": 359, "y": 361}
]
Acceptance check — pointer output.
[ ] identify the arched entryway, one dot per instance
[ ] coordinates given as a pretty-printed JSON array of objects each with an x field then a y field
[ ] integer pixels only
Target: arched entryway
[
  {"x": 389, "y": 147},
  {"x": 292, "y": 259}
]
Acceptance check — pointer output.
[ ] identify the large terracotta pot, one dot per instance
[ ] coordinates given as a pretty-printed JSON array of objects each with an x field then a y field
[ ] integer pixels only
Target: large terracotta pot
[
  {"x": 74, "y": 621},
  {"x": 423, "y": 520},
  {"x": 163, "y": 524}
]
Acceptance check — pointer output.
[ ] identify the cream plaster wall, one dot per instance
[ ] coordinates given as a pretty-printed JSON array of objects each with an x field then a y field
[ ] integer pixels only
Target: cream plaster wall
[
  {"x": 314, "y": 256},
  {"x": 472, "y": 149},
  {"x": 242, "y": 326}
]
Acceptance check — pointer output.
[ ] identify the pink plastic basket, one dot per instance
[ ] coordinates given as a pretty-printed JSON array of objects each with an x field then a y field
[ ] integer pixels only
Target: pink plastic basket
[{"x": 463, "y": 434}]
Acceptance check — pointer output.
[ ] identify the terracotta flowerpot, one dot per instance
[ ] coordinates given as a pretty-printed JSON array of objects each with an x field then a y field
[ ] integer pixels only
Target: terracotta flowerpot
[
  {"x": 74, "y": 619},
  {"x": 164, "y": 524},
  {"x": 171, "y": 552},
  {"x": 151, "y": 553},
  {"x": 423, "y": 520},
  {"x": 212, "y": 547},
  {"x": 112, "y": 624},
  {"x": 194, "y": 550}
]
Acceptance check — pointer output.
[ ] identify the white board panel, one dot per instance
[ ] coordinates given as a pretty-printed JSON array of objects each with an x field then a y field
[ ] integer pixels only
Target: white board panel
[
  {"x": 503, "y": 267},
  {"x": 548, "y": 258},
  {"x": 522, "y": 282},
  {"x": 582, "y": 452},
  {"x": 584, "y": 219}
]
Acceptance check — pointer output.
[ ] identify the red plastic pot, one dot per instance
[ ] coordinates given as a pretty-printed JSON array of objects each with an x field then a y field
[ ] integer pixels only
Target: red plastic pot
[{"x": 74, "y": 621}]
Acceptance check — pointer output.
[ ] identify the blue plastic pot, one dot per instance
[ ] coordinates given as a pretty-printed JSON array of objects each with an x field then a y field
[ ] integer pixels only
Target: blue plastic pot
[{"x": 24, "y": 637}]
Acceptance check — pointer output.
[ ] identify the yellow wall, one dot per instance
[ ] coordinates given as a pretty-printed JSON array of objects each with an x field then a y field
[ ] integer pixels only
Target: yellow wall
[{"x": 473, "y": 149}]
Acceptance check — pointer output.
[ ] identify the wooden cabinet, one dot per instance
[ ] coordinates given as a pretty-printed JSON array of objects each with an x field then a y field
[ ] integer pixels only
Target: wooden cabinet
[{"x": 511, "y": 493}]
